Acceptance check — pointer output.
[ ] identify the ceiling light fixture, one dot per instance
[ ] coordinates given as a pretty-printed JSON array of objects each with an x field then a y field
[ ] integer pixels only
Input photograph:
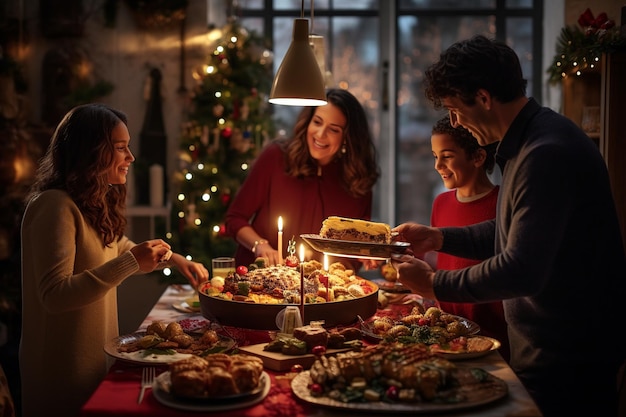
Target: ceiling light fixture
[{"x": 299, "y": 81}]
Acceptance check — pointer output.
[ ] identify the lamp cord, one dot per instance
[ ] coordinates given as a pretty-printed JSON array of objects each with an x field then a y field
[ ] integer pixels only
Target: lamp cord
[
  {"x": 312, "y": 8},
  {"x": 312, "y": 13}
]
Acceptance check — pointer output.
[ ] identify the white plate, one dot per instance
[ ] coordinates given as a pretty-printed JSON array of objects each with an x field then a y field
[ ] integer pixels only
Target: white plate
[
  {"x": 457, "y": 356},
  {"x": 184, "y": 307},
  {"x": 160, "y": 391},
  {"x": 482, "y": 394},
  {"x": 349, "y": 249},
  {"x": 112, "y": 349}
]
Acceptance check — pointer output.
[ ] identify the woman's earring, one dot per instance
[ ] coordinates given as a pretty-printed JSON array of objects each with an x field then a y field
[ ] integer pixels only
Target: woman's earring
[{"x": 343, "y": 148}]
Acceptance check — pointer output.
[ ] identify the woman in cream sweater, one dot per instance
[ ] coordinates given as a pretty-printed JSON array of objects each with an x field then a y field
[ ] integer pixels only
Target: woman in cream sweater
[{"x": 74, "y": 255}]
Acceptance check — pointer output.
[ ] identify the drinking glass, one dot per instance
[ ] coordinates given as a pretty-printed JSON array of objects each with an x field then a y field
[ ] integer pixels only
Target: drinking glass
[{"x": 222, "y": 266}]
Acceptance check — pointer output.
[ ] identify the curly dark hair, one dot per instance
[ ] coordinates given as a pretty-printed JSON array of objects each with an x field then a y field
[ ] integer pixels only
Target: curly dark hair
[
  {"x": 466, "y": 141},
  {"x": 77, "y": 160},
  {"x": 469, "y": 65},
  {"x": 360, "y": 169}
]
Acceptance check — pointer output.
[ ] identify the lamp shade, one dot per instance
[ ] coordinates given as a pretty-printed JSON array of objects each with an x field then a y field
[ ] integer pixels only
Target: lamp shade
[{"x": 299, "y": 81}]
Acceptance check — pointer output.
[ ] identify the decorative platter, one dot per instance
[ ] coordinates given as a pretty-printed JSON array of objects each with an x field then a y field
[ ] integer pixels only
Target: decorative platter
[
  {"x": 161, "y": 391},
  {"x": 363, "y": 250},
  {"x": 476, "y": 395},
  {"x": 366, "y": 327},
  {"x": 143, "y": 357},
  {"x": 457, "y": 356},
  {"x": 263, "y": 316}
]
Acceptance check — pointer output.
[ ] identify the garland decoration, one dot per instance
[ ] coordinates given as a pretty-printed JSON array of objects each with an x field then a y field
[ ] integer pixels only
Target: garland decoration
[{"x": 581, "y": 48}]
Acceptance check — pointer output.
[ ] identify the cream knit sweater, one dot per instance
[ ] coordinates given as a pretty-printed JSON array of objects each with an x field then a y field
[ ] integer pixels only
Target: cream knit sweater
[{"x": 69, "y": 286}]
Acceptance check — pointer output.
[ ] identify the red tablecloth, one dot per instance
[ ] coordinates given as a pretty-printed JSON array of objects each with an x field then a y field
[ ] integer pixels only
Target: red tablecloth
[{"x": 117, "y": 395}]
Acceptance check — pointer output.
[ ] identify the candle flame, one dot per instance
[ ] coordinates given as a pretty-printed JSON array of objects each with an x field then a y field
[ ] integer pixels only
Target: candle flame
[
  {"x": 301, "y": 252},
  {"x": 325, "y": 262},
  {"x": 280, "y": 223}
]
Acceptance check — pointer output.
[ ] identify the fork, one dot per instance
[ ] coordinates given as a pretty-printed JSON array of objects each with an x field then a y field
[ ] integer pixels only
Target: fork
[{"x": 147, "y": 378}]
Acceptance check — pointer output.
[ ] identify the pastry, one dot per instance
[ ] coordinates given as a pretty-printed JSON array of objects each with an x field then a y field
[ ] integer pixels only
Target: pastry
[{"x": 343, "y": 228}]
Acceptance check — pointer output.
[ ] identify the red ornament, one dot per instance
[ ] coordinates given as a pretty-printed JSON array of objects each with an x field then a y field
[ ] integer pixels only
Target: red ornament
[
  {"x": 227, "y": 132},
  {"x": 586, "y": 18},
  {"x": 222, "y": 231},
  {"x": 225, "y": 198},
  {"x": 292, "y": 261}
]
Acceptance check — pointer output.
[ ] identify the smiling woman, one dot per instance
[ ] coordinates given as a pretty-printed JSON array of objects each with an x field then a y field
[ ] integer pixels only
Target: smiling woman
[
  {"x": 328, "y": 167},
  {"x": 70, "y": 277}
]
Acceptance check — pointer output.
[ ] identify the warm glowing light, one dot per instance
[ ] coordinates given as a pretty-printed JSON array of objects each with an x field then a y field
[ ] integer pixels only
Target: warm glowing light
[
  {"x": 233, "y": 39},
  {"x": 218, "y": 94},
  {"x": 200, "y": 166},
  {"x": 189, "y": 176},
  {"x": 280, "y": 223},
  {"x": 197, "y": 222},
  {"x": 244, "y": 166},
  {"x": 326, "y": 262},
  {"x": 214, "y": 170},
  {"x": 216, "y": 228},
  {"x": 221, "y": 121},
  {"x": 181, "y": 197},
  {"x": 188, "y": 257},
  {"x": 206, "y": 197},
  {"x": 210, "y": 69},
  {"x": 181, "y": 214},
  {"x": 167, "y": 272},
  {"x": 301, "y": 252}
]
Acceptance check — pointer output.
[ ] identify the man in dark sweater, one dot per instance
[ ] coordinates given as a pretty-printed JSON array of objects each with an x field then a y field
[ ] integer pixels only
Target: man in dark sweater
[{"x": 554, "y": 253}]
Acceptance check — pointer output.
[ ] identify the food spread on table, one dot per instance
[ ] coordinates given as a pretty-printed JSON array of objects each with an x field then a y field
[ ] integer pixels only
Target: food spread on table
[
  {"x": 280, "y": 284},
  {"x": 452, "y": 336},
  {"x": 314, "y": 339},
  {"x": 166, "y": 343},
  {"x": 392, "y": 374},
  {"x": 216, "y": 375}
]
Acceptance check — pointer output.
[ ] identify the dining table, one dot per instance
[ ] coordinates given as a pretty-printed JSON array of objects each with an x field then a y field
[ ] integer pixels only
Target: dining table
[{"x": 118, "y": 392}]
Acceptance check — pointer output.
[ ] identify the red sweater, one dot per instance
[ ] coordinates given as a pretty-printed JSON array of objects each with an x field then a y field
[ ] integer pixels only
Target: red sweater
[
  {"x": 303, "y": 203},
  {"x": 448, "y": 211}
]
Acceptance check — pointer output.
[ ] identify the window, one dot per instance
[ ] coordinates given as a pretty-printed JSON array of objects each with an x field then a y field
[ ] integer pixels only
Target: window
[{"x": 378, "y": 50}]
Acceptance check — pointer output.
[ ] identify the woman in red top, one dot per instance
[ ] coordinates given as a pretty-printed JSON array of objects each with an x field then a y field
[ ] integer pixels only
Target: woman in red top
[
  {"x": 463, "y": 165},
  {"x": 328, "y": 168}
]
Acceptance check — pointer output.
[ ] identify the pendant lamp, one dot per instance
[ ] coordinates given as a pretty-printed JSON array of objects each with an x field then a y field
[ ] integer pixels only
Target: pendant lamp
[{"x": 299, "y": 81}]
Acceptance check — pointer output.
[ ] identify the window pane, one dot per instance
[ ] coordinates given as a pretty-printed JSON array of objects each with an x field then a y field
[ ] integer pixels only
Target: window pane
[
  {"x": 297, "y": 5},
  {"x": 519, "y": 36},
  {"x": 446, "y": 4},
  {"x": 252, "y": 24},
  {"x": 251, "y": 4},
  {"x": 420, "y": 42},
  {"x": 354, "y": 4},
  {"x": 519, "y": 4}
]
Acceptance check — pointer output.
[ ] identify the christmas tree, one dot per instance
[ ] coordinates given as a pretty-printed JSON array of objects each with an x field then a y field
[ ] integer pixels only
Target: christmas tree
[{"x": 229, "y": 121}]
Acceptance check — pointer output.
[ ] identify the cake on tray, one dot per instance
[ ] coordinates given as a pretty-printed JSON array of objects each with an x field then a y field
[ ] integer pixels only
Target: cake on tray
[{"x": 355, "y": 230}]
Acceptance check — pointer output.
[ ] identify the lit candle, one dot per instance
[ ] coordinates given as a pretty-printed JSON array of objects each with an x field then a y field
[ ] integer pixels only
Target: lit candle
[
  {"x": 302, "y": 282},
  {"x": 280, "y": 240},
  {"x": 324, "y": 276}
]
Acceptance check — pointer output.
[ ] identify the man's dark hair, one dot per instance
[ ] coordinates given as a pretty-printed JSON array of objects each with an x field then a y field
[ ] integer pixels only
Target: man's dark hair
[{"x": 469, "y": 65}]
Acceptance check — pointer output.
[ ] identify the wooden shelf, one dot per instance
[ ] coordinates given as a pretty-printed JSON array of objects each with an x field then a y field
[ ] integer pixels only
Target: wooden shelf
[{"x": 604, "y": 88}]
